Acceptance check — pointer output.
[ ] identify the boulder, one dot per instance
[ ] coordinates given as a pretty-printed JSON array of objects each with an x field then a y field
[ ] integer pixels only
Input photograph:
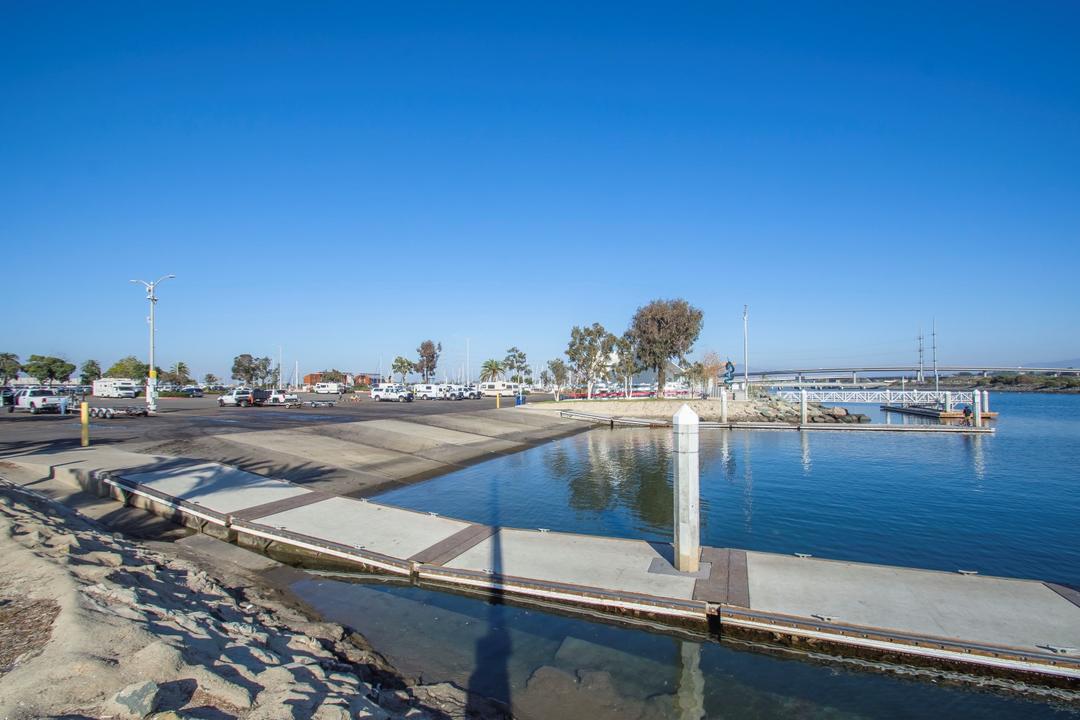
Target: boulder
[{"x": 137, "y": 700}]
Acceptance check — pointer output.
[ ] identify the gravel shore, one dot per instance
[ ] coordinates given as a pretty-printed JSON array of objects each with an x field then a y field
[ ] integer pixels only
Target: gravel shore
[{"x": 95, "y": 624}]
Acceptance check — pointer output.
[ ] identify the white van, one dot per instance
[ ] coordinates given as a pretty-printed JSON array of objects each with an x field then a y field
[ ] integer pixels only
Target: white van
[
  {"x": 425, "y": 391},
  {"x": 116, "y": 388},
  {"x": 503, "y": 389},
  {"x": 330, "y": 388}
]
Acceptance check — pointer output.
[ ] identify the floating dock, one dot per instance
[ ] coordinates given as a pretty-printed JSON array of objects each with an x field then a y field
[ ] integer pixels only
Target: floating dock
[
  {"x": 618, "y": 421},
  {"x": 932, "y": 412},
  {"x": 1021, "y": 628}
]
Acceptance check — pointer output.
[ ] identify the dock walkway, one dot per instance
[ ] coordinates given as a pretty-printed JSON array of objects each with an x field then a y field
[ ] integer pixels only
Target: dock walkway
[{"x": 1001, "y": 625}]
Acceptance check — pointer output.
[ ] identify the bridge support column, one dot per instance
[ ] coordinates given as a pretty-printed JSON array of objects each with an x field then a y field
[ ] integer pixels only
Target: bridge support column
[
  {"x": 976, "y": 408},
  {"x": 802, "y": 407},
  {"x": 687, "y": 491},
  {"x": 854, "y": 377}
]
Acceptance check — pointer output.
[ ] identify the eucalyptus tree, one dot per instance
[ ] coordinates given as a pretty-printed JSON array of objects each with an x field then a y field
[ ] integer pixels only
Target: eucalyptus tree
[
  {"x": 515, "y": 363},
  {"x": 590, "y": 352},
  {"x": 428, "y": 352},
  {"x": 402, "y": 366},
  {"x": 625, "y": 364},
  {"x": 559, "y": 374},
  {"x": 662, "y": 331}
]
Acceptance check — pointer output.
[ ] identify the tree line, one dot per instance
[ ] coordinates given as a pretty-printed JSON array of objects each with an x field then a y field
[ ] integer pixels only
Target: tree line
[
  {"x": 48, "y": 370},
  {"x": 659, "y": 332},
  {"x": 428, "y": 353}
]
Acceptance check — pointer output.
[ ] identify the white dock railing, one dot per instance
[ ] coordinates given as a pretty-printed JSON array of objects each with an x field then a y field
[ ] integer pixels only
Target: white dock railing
[{"x": 881, "y": 397}]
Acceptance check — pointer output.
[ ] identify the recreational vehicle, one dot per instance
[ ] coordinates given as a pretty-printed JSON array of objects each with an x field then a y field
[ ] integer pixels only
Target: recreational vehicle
[
  {"x": 115, "y": 388},
  {"x": 503, "y": 389}
]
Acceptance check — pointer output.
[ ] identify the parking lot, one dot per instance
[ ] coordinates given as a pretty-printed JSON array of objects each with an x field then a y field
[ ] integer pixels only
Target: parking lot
[{"x": 198, "y": 428}]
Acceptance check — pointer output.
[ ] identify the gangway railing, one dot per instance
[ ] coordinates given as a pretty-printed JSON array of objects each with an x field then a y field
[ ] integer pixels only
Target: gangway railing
[{"x": 946, "y": 398}]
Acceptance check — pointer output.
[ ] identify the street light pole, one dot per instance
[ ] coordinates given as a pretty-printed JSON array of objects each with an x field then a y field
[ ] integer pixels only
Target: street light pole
[{"x": 151, "y": 380}]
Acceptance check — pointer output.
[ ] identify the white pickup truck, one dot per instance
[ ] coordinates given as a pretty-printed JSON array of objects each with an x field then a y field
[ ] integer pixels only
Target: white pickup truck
[{"x": 38, "y": 400}]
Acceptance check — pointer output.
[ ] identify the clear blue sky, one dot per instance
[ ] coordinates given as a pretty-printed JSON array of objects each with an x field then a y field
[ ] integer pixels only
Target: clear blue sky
[{"x": 347, "y": 179}]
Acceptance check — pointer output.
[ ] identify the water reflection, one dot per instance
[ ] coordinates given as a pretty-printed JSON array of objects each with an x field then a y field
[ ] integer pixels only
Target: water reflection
[
  {"x": 748, "y": 486},
  {"x": 804, "y": 446},
  {"x": 973, "y": 444},
  {"x": 690, "y": 698},
  {"x": 632, "y": 471}
]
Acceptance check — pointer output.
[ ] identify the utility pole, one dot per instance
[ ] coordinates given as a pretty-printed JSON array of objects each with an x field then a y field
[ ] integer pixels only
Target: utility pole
[
  {"x": 280, "y": 370},
  {"x": 746, "y": 350},
  {"x": 468, "y": 367},
  {"x": 151, "y": 379},
  {"x": 937, "y": 386}
]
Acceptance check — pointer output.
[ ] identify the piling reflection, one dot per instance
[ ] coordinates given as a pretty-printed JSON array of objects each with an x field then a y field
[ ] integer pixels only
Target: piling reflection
[
  {"x": 748, "y": 486},
  {"x": 690, "y": 697},
  {"x": 973, "y": 444}
]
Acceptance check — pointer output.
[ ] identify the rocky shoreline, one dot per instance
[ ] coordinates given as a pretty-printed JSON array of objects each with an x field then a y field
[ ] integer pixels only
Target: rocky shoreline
[
  {"x": 756, "y": 410},
  {"x": 96, "y": 624},
  {"x": 774, "y": 410}
]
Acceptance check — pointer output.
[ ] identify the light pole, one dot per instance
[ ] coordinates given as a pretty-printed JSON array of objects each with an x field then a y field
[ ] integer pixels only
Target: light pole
[{"x": 151, "y": 380}]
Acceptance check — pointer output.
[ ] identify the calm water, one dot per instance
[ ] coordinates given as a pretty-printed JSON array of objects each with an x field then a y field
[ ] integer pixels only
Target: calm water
[{"x": 1004, "y": 505}]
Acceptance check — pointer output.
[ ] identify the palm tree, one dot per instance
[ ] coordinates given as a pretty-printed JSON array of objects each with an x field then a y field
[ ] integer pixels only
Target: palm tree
[{"x": 490, "y": 370}]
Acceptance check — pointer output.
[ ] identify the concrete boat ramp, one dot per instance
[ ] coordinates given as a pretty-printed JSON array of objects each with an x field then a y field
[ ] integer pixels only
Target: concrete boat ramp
[{"x": 1025, "y": 628}]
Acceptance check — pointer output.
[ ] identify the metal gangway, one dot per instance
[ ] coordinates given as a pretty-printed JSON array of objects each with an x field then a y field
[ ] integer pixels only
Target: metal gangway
[{"x": 944, "y": 398}]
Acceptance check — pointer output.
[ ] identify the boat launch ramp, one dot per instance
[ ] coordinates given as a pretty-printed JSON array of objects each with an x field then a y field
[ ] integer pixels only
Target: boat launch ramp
[{"x": 1008, "y": 626}]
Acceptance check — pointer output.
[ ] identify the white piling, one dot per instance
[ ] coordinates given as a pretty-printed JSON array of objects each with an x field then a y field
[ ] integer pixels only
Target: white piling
[
  {"x": 976, "y": 408},
  {"x": 948, "y": 401},
  {"x": 687, "y": 490},
  {"x": 723, "y": 404},
  {"x": 802, "y": 407},
  {"x": 986, "y": 400}
]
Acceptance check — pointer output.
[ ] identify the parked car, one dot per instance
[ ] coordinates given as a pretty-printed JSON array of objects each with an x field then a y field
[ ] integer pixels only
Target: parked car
[
  {"x": 39, "y": 400},
  {"x": 192, "y": 391},
  {"x": 243, "y": 397},
  {"x": 7, "y": 396},
  {"x": 473, "y": 393},
  {"x": 400, "y": 393}
]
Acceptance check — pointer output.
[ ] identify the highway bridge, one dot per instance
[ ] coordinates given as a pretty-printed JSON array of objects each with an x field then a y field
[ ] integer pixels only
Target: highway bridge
[{"x": 854, "y": 372}]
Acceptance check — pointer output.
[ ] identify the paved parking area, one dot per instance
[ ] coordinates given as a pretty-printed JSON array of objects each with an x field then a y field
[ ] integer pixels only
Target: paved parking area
[{"x": 357, "y": 447}]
